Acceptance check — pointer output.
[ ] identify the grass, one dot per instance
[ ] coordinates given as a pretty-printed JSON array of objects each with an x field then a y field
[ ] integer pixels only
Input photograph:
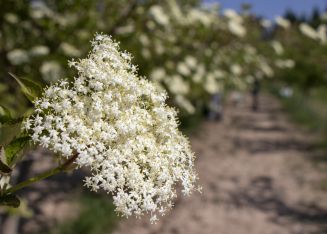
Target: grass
[
  {"x": 308, "y": 110},
  {"x": 97, "y": 216}
]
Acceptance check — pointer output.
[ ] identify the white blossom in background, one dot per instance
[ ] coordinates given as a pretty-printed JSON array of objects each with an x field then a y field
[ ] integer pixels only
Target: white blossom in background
[
  {"x": 18, "y": 56},
  {"x": 39, "y": 50},
  {"x": 211, "y": 85},
  {"x": 176, "y": 11},
  {"x": 322, "y": 33},
  {"x": 119, "y": 126},
  {"x": 158, "y": 14},
  {"x": 144, "y": 39},
  {"x": 183, "y": 69},
  {"x": 266, "y": 23},
  {"x": 285, "y": 63},
  {"x": 158, "y": 47},
  {"x": 11, "y": 18},
  {"x": 282, "y": 22},
  {"x": 236, "y": 69},
  {"x": 191, "y": 62},
  {"x": 236, "y": 28},
  {"x": 127, "y": 29},
  {"x": 278, "y": 48},
  {"x": 69, "y": 49},
  {"x": 233, "y": 15},
  {"x": 51, "y": 71},
  {"x": 235, "y": 21},
  {"x": 196, "y": 15},
  {"x": 199, "y": 74},
  {"x": 177, "y": 85},
  {"x": 39, "y": 10},
  {"x": 158, "y": 74},
  {"x": 266, "y": 69},
  {"x": 185, "y": 104},
  {"x": 308, "y": 31}
]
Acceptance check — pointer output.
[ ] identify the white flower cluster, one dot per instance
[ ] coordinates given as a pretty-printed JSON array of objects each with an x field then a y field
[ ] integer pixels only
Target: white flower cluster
[
  {"x": 120, "y": 127},
  {"x": 282, "y": 22},
  {"x": 319, "y": 34}
]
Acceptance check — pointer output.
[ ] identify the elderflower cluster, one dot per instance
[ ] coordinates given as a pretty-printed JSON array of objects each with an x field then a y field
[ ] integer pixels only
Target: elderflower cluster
[{"x": 120, "y": 127}]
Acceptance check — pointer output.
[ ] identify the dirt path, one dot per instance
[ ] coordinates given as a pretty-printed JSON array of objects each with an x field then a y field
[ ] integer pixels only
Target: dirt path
[{"x": 257, "y": 178}]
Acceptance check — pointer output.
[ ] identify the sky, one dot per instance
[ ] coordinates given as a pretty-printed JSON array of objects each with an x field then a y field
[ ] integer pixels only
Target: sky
[{"x": 272, "y": 8}]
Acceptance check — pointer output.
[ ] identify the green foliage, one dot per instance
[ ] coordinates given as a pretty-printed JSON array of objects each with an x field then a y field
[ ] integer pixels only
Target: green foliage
[
  {"x": 31, "y": 89},
  {"x": 305, "y": 75},
  {"x": 9, "y": 200},
  {"x": 4, "y": 169},
  {"x": 13, "y": 149},
  {"x": 5, "y": 115}
]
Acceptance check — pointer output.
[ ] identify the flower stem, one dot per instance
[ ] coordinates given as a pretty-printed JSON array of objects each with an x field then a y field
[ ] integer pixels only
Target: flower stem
[{"x": 42, "y": 176}]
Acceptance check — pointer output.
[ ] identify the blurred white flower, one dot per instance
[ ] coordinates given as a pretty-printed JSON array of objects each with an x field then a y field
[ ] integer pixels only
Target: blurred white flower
[
  {"x": 308, "y": 31},
  {"x": 69, "y": 49},
  {"x": 176, "y": 12},
  {"x": 282, "y": 22},
  {"x": 236, "y": 28},
  {"x": 18, "y": 56},
  {"x": 266, "y": 69},
  {"x": 144, "y": 40},
  {"x": 11, "y": 18},
  {"x": 177, "y": 85},
  {"x": 159, "y": 15},
  {"x": 183, "y": 69},
  {"x": 199, "y": 74},
  {"x": 119, "y": 126},
  {"x": 196, "y": 15},
  {"x": 39, "y": 10},
  {"x": 127, "y": 29},
  {"x": 159, "y": 48},
  {"x": 51, "y": 71},
  {"x": 284, "y": 63},
  {"x": 158, "y": 74},
  {"x": 266, "y": 23},
  {"x": 322, "y": 33},
  {"x": 185, "y": 104},
  {"x": 277, "y": 46},
  {"x": 250, "y": 50},
  {"x": 39, "y": 50},
  {"x": 191, "y": 62},
  {"x": 233, "y": 16},
  {"x": 236, "y": 69},
  {"x": 211, "y": 85}
]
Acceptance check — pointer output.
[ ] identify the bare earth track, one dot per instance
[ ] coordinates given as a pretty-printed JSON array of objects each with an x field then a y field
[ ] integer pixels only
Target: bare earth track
[{"x": 257, "y": 176}]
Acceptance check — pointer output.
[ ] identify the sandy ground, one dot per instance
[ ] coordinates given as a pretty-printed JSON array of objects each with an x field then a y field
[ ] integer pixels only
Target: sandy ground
[{"x": 257, "y": 176}]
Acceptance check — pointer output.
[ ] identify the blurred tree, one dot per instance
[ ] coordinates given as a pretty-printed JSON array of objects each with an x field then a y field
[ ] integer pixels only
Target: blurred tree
[{"x": 291, "y": 16}]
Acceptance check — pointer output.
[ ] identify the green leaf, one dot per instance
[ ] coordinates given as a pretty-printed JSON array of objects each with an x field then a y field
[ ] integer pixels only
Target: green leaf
[
  {"x": 10, "y": 200},
  {"x": 6, "y": 118},
  {"x": 31, "y": 89},
  {"x": 14, "y": 147},
  {"x": 5, "y": 115},
  {"x": 4, "y": 168}
]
